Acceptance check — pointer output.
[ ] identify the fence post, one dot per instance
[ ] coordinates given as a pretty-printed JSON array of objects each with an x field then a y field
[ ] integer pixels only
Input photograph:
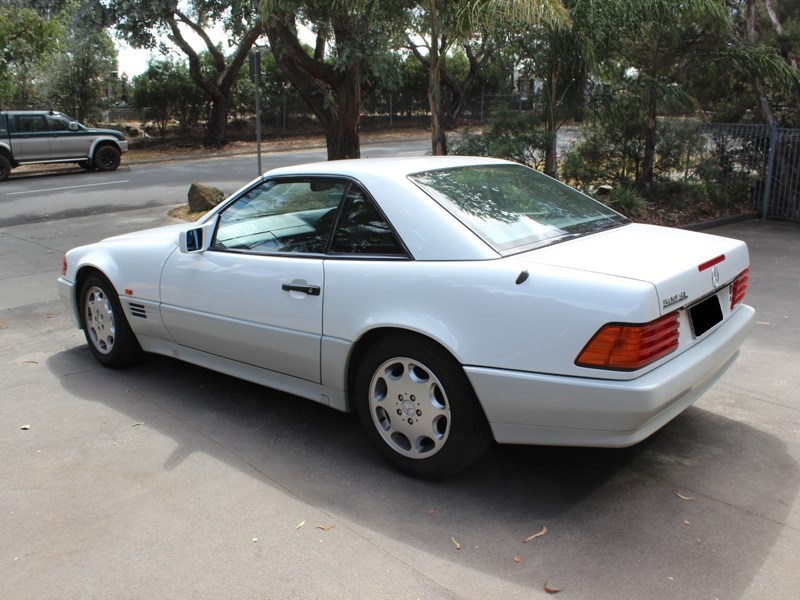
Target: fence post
[{"x": 773, "y": 143}]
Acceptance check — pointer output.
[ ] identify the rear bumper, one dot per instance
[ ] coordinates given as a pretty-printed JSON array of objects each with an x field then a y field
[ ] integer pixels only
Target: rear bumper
[{"x": 530, "y": 408}]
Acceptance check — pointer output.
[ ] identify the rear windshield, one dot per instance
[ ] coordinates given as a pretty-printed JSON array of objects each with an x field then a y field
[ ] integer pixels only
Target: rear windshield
[{"x": 513, "y": 208}]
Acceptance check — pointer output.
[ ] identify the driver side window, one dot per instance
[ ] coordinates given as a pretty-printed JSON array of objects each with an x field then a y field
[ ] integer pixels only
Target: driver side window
[{"x": 291, "y": 215}]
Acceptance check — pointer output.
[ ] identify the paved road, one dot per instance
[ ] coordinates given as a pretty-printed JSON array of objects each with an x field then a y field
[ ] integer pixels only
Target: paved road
[
  {"x": 71, "y": 192},
  {"x": 169, "y": 481}
]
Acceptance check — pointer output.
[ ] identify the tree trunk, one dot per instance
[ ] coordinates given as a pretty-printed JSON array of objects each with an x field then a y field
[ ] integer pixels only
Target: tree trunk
[
  {"x": 313, "y": 79},
  {"x": 648, "y": 162},
  {"x": 217, "y": 126},
  {"x": 342, "y": 130},
  {"x": 758, "y": 81}
]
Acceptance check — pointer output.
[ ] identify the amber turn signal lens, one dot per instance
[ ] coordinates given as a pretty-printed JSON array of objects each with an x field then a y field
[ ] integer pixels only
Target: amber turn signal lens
[{"x": 627, "y": 347}]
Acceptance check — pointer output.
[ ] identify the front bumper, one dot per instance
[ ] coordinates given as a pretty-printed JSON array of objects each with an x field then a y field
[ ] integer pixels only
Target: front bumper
[
  {"x": 530, "y": 408},
  {"x": 66, "y": 292}
]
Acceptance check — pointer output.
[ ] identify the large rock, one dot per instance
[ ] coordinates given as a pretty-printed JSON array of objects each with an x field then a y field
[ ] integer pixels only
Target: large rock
[{"x": 203, "y": 197}]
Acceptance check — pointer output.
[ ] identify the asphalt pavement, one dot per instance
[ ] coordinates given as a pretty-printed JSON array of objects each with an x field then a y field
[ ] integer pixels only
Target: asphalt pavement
[{"x": 170, "y": 481}]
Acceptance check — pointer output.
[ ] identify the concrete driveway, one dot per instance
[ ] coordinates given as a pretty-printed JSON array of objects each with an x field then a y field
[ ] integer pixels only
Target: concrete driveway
[{"x": 169, "y": 481}]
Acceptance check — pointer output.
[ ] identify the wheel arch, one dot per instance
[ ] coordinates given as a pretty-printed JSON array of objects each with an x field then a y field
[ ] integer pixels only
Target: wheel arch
[
  {"x": 101, "y": 143},
  {"x": 368, "y": 338}
]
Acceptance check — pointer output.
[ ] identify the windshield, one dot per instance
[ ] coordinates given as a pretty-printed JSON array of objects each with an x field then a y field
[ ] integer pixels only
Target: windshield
[{"x": 513, "y": 208}]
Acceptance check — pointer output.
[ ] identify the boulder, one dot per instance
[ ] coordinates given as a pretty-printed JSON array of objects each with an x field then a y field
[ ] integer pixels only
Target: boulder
[{"x": 203, "y": 197}]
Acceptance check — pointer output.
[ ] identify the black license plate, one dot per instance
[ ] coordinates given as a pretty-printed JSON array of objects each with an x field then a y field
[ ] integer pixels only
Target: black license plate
[{"x": 704, "y": 315}]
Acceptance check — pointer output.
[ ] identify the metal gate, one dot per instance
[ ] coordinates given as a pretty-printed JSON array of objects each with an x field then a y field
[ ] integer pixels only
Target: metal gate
[{"x": 767, "y": 157}]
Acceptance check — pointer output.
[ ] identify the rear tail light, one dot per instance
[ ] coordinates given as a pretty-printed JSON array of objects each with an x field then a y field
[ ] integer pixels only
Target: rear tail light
[
  {"x": 627, "y": 347},
  {"x": 64, "y": 265},
  {"x": 739, "y": 288}
]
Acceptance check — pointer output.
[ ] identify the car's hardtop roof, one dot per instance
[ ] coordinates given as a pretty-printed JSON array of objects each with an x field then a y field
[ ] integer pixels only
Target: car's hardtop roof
[{"x": 389, "y": 167}]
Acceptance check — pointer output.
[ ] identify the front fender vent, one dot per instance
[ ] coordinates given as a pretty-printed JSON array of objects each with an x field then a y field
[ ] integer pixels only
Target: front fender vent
[{"x": 137, "y": 310}]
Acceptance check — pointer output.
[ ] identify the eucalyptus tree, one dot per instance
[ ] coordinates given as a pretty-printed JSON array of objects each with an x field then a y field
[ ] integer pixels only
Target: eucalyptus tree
[
  {"x": 347, "y": 33},
  {"x": 148, "y": 23},
  {"x": 661, "y": 44},
  {"x": 442, "y": 24},
  {"x": 79, "y": 76},
  {"x": 562, "y": 60},
  {"x": 27, "y": 39}
]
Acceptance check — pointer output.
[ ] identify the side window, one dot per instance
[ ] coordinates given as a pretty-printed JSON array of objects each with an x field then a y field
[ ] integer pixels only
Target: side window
[
  {"x": 30, "y": 124},
  {"x": 362, "y": 229},
  {"x": 281, "y": 216},
  {"x": 58, "y": 124}
]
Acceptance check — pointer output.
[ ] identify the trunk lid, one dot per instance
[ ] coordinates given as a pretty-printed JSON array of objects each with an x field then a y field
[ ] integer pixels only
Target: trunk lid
[{"x": 683, "y": 266}]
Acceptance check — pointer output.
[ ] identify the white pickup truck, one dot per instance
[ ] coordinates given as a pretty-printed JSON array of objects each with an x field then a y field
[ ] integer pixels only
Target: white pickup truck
[{"x": 36, "y": 136}]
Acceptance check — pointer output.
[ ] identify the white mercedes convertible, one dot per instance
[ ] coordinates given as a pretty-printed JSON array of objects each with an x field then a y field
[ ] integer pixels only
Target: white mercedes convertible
[{"x": 447, "y": 301}]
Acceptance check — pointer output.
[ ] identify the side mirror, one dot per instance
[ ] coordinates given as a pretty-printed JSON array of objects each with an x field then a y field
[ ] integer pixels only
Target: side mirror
[
  {"x": 197, "y": 239},
  {"x": 73, "y": 126}
]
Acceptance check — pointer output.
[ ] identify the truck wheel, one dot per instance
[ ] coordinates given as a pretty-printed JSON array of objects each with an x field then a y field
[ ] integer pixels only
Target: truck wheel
[
  {"x": 106, "y": 158},
  {"x": 5, "y": 168}
]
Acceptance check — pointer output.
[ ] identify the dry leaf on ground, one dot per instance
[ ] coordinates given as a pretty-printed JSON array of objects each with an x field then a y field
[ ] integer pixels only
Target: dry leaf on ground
[
  {"x": 535, "y": 535},
  {"x": 456, "y": 544},
  {"x": 300, "y": 524},
  {"x": 549, "y": 589},
  {"x": 681, "y": 496},
  {"x": 325, "y": 527},
  {"x": 517, "y": 558}
]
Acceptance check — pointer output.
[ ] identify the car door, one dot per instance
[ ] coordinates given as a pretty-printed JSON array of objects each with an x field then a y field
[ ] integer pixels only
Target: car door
[
  {"x": 255, "y": 295},
  {"x": 66, "y": 142},
  {"x": 30, "y": 138}
]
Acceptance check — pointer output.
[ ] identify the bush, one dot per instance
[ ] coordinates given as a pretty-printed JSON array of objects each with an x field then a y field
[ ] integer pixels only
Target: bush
[{"x": 511, "y": 136}]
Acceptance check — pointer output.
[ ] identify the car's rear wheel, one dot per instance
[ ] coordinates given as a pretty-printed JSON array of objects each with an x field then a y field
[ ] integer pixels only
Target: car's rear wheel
[
  {"x": 418, "y": 407},
  {"x": 106, "y": 158},
  {"x": 5, "y": 168},
  {"x": 108, "y": 334}
]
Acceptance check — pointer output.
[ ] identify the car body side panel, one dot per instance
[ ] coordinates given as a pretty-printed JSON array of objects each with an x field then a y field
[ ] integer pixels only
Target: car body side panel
[{"x": 478, "y": 312}]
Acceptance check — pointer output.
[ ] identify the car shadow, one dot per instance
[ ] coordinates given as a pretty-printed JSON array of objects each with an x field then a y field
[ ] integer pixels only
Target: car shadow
[{"x": 674, "y": 503}]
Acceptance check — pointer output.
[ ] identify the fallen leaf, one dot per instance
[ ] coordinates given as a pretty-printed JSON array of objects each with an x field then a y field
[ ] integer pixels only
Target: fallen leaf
[
  {"x": 25, "y": 427},
  {"x": 29, "y": 362},
  {"x": 325, "y": 527},
  {"x": 535, "y": 535},
  {"x": 517, "y": 559},
  {"x": 548, "y": 589},
  {"x": 762, "y": 322},
  {"x": 456, "y": 544},
  {"x": 3, "y": 326},
  {"x": 300, "y": 524},
  {"x": 686, "y": 522},
  {"x": 432, "y": 511},
  {"x": 681, "y": 496},
  {"x": 136, "y": 425}
]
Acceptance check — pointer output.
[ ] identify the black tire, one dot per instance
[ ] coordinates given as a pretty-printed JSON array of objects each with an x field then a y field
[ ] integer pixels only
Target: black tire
[
  {"x": 418, "y": 407},
  {"x": 106, "y": 158},
  {"x": 85, "y": 164},
  {"x": 5, "y": 168},
  {"x": 107, "y": 332}
]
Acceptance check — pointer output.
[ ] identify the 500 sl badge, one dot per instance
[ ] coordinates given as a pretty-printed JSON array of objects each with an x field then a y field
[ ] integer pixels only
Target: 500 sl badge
[{"x": 674, "y": 299}]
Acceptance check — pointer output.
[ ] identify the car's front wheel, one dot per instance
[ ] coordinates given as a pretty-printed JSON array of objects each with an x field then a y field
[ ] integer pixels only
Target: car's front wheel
[
  {"x": 418, "y": 407},
  {"x": 107, "y": 331},
  {"x": 106, "y": 158}
]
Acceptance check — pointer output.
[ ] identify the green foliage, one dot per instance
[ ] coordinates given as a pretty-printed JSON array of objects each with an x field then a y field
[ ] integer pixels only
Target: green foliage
[
  {"x": 521, "y": 138},
  {"x": 166, "y": 91},
  {"x": 78, "y": 79},
  {"x": 27, "y": 41},
  {"x": 628, "y": 201}
]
